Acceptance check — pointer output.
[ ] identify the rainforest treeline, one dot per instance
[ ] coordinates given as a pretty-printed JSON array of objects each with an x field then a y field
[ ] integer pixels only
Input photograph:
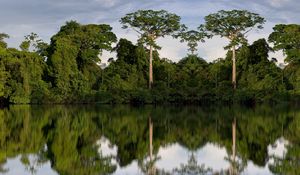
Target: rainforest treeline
[{"x": 67, "y": 70}]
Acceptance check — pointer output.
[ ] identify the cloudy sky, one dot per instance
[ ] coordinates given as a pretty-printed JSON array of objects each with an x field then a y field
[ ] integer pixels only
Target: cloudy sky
[{"x": 44, "y": 17}]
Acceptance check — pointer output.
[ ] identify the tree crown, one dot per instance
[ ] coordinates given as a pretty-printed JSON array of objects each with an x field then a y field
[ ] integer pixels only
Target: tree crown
[
  {"x": 287, "y": 38},
  {"x": 2, "y": 42},
  {"x": 233, "y": 24},
  {"x": 192, "y": 37},
  {"x": 151, "y": 24}
]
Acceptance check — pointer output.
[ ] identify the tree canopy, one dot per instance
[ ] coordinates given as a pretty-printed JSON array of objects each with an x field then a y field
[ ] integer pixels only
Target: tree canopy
[
  {"x": 286, "y": 37},
  {"x": 192, "y": 37},
  {"x": 151, "y": 24},
  {"x": 68, "y": 70},
  {"x": 233, "y": 24}
]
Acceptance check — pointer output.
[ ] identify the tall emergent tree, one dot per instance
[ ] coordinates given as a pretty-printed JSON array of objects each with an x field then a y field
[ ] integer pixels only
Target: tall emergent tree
[
  {"x": 233, "y": 25},
  {"x": 151, "y": 25}
]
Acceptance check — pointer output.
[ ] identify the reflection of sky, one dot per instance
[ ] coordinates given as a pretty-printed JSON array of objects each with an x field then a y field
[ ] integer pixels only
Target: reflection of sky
[
  {"x": 107, "y": 149},
  {"x": 131, "y": 169},
  {"x": 278, "y": 148},
  {"x": 172, "y": 156},
  {"x": 211, "y": 155},
  {"x": 15, "y": 167}
]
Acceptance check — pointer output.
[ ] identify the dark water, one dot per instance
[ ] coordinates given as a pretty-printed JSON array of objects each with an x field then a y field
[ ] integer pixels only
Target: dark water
[{"x": 48, "y": 140}]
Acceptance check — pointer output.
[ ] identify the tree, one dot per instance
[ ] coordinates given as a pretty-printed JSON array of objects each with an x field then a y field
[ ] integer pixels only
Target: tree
[
  {"x": 233, "y": 25},
  {"x": 2, "y": 37},
  {"x": 23, "y": 73},
  {"x": 151, "y": 25},
  {"x": 3, "y": 74},
  {"x": 30, "y": 40},
  {"x": 287, "y": 38},
  {"x": 33, "y": 41},
  {"x": 192, "y": 37},
  {"x": 73, "y": 57}
]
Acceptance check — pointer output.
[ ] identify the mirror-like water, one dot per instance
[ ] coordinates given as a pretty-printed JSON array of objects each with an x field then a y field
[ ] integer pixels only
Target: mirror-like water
[{"x": 124, "y": 140}]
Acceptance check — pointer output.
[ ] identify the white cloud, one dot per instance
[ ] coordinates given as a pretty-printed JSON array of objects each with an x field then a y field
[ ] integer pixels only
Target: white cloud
[
  {"x": 278, "y": 3},
  {"x": 107, "y": 3}
]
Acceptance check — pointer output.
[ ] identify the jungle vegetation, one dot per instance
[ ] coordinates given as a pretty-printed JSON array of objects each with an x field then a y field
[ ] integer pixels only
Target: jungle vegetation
[{"x": 67, "y": 70}]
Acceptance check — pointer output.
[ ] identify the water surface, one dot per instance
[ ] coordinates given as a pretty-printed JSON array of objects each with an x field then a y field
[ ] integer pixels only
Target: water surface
[{"x": 124, "y": 140}]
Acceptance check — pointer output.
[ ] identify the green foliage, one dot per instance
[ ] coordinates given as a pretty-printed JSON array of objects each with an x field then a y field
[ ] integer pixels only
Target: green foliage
[
  {"x": 291, "y": 75},
  {"x": 63, "y": 67},
  {"x": 34, "y": 43},
  {"x": 152, "y": 24},
  {"x": 192, "y": 37},
  {"x": 73, "y": 57},
  {"x": 3, "y": 77},
  {"x": 67, "y": 70},
  {"x": 24, "y": 46},
  {"x": 23, "y": 75},
  {"x": 90, "y": 40},
  {"x": 256, "y": 72},
  {"x": 2, "y": 42},
  {"x": 233, "y": 24},
  {"x": 286, "y": 37}
]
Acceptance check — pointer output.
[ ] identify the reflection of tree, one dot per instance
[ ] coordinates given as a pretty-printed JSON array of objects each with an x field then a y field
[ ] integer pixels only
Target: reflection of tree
[
  {"x": 192, "y": 168},
  {"x": 151, "y": 170},
  {"x": 20, "y": 133},
  {"x": 236, "y": 165},
  {"x": 33, "y": 162},
  {"x": 2, "y": 169},
  {"x": 3, "y": 141},
  {"x": 233, "y": 165},
  {"x": 289, "y": 163},
  {"x": 148, "y": 166},
  {"x": 70, "y": 135},
  {"x": 72, "y": 147}
]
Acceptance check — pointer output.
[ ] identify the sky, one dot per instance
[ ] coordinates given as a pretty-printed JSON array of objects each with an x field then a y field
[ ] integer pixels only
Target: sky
[{"x": 44, "y": 17}]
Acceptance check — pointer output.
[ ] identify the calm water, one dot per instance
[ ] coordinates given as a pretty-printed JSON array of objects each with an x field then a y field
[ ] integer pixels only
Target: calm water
[{"x": 50, "y": 140}]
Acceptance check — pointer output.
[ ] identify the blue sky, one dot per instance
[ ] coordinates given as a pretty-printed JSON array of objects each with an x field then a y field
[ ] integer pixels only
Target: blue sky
[{"x": 44, "y": 17}]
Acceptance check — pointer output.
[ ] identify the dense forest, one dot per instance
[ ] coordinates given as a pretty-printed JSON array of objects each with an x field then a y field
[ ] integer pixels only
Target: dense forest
[{"x": 67, "y": 70}]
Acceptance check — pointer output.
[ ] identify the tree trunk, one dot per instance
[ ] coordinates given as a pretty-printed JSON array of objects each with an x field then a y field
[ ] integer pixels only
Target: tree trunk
[
  {"x": 150, "y": 69},
  {"x": 102, "y": 77},
  {"x": 233, "y": 68}
]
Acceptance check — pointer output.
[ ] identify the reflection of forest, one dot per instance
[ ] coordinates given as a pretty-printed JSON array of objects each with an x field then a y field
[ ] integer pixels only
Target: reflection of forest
[{"x": 66, "y": 136}]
